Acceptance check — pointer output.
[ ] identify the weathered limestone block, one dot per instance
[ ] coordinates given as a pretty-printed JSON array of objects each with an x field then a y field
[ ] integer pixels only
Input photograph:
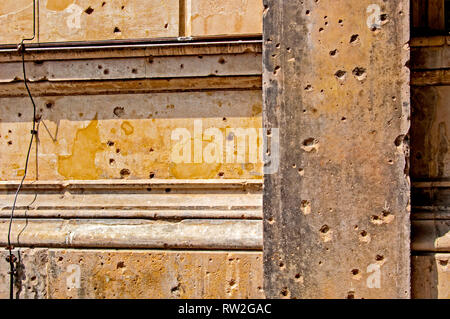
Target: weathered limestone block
[
  {"x": 431, "y": 276},
  {"x": 223, "y": 17},
  {"x": 87, "y": 20},
  {"x": 126, "y": 136},
  {"x": 336, "y": 214},
  {"x": 74, "y": 274}
]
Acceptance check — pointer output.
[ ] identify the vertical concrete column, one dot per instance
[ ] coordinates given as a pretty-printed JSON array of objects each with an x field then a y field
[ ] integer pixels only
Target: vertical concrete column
[{"x": 336, "y": 85}]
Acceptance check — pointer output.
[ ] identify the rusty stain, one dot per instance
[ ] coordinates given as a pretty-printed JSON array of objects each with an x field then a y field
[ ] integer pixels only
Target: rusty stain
[
  {"x": 81, "y": 164},
  {"x": 58, "y": 5},
  {"x": 127, "y": 128}
]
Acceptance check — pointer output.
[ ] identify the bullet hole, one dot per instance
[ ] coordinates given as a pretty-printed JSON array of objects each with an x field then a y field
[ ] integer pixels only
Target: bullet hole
[
  {"x": 49, "y": 105},
  {"x": 390, "y": 162},
  {"x": 117, "y": 150},
  {"x": 221, "y": 174},
  {"x": 224, "y": 119},
  {"x": 89, "y": 10},
  {"x": 340, "y": 21},
  {"x": 355, "y": 272},
  {"x": 351, "y": 295},
  {"x": 308, "y": 12},
  {"x": 301, "y": 172},
  {"x": 363, "y": 233},
  {"x": 277, "y": 68},
  {"x": 343, "y": 119},
  {"x": 222, "y": 61},
  {"x": 124, "y": 173},
  {"x": 60, "y": 259},
  {"x": 152, "y": 175},
  {"x": 320, "y": 29},
  {"x": 151, "y": 150},
  {"x": 149, "y": 189},
  {"x": 305, "y": 207},
  {"x": 123, "y": 7},
  {"x": 120, "y": 264},
  {"x": 106, "y": 72},
  {"x": 270, "y": 221},
  {"x": 333, "y": 52},
  {"x": 9, "y": 142},
  {"x": 399, "y": 140},
  {"x": 117, "y": 30},
  {"x": 354, "y": 38},
  {"x": 110, "y": 143},
  {"x": 443, "y": 262},
  {"x": 103, "y": 4},
  {"x": 383, "y": 17},
  {"x": 308, "y": 87},
  {"x": 181, "y": 66},
  {"x": 379, "y": 257},
  {"x": 150, "y": 60},
  {"x": 119, "y": 111},
  {"x": 200, "y": 57},
  {"x": 359, "y": 73},
  {"x": 168, "y": 190},
  {"x": 100, "y": 67},
  {"x": 166, "y": 26},
  {"x": 134, "y": 71},
  {"x": 340, "y": 74},
  {"x": 281, "y": 264},
  {"x": 297, "y": 276},
  {"x": 310, "y": 145},
  {"x": 278, "y": 45},
  {"x": 324, "y": 229},
  {"x": 19, "y": 114},
  {"x": 33, "y": 278},
  {"x": 285, "y": 292},
  {"x": 112, "y": 161}
]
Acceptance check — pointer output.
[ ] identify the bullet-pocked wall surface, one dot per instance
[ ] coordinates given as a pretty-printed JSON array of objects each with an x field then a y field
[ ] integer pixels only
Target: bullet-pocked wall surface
[
  {"x": 154, "y": 151},
  {"x": 336, "y": 214}
]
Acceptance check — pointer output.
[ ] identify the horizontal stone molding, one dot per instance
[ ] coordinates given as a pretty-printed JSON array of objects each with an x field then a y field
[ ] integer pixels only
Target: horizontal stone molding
[
  {"x": 134, "y": 234},
  {"x": 134, "y": 68},
  {"x": 132, "y": 86},
  {"x": 132, "y": 49},
  {"x": 150, "y": 199}
]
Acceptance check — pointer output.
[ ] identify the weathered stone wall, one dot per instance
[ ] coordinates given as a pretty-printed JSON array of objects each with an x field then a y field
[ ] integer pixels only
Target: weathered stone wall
[
  {"x": 90, "y": 20},
  {"x": 430, "y": 167},
  {"x": 67, "y": 274},
  {"x": 336, "y": 215},
  {"x": 101, "y": 176}
]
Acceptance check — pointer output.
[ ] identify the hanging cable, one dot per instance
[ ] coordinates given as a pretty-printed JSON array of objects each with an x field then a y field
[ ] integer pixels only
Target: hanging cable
[{"x": 11, "y": 259}]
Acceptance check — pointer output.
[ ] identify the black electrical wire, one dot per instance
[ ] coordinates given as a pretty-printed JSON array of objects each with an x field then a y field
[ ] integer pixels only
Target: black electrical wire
[{"x": 12, "y": 259}]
